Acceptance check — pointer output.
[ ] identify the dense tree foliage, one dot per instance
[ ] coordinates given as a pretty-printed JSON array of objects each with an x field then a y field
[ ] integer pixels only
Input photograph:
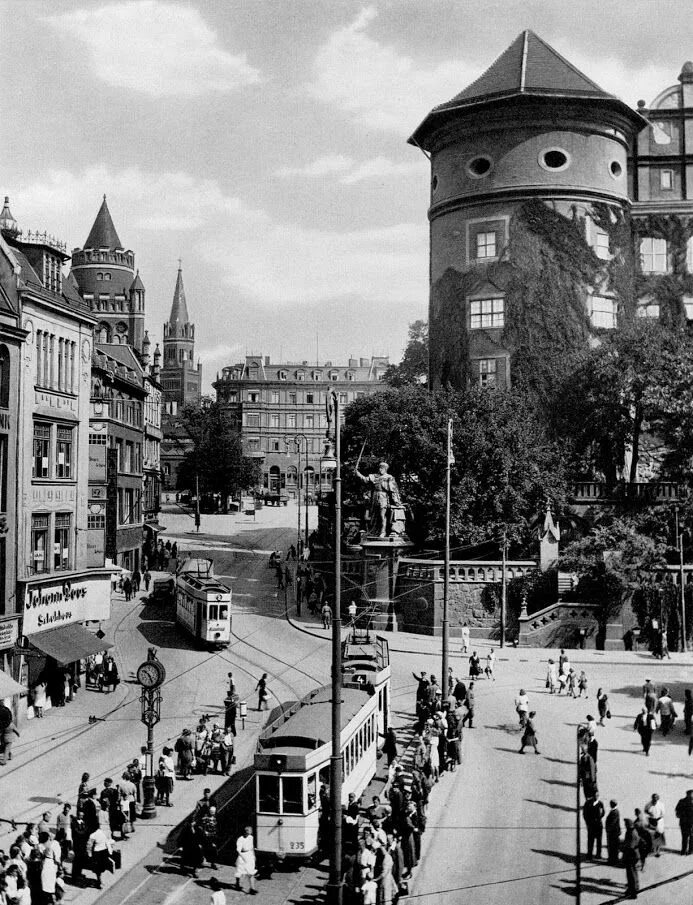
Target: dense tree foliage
[
  {"x": 637, "y": 379},
  {"x": 413, "y": 369},
  {"x": 216, "y": 459},
  {"x": 504, "y": 470}
]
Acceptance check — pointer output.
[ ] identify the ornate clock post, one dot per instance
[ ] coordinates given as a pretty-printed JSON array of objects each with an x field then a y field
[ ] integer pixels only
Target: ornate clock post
[{"x": 150, "y": 675}]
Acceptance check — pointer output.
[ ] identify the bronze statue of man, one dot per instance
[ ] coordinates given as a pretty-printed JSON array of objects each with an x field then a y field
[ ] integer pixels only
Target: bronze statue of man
[{"x": 385, "y": 499}]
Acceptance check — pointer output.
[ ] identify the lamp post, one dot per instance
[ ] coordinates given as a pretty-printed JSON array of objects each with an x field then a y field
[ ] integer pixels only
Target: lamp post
[
  {"x": 298, "y": 439},
  {"x": 335, "y": 886}
]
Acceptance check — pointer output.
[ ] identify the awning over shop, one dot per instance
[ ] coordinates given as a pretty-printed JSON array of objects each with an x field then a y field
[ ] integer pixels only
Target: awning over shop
[
  {"x": 154, "y": 527},
  {"x": 68, "y": 643},
  {"x": 8, "y": 686}
]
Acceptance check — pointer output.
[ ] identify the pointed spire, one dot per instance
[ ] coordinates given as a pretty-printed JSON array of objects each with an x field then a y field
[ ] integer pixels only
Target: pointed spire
[
  {"x": 7, "y": 222},
  {"x": 179, "y": 308},
  {"x": 103, "y": 233}
]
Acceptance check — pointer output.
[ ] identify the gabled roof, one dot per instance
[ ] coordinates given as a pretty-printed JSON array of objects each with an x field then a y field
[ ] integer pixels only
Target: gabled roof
[
  {"x": 179, "y": 308},
  {"x": 103, "y": 233},
  {"x": 528, "y": 68}
]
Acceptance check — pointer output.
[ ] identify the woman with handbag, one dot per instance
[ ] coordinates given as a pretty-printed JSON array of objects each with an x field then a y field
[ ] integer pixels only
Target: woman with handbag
[{"x": 603, "y": 706}]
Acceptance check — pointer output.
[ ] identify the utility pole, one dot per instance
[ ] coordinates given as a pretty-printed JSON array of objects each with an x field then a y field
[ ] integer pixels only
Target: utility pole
[
  {"x": 578, "y": 878},
  {"x": 446, "y": 576},
  {"x": 197, "y": 501},
  {"x": 504, "y": 585},
  {"x": 335, "y": 889}
]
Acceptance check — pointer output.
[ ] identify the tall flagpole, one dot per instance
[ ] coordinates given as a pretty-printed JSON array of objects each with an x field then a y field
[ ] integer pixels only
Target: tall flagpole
[{"x": 446, "y": 575}]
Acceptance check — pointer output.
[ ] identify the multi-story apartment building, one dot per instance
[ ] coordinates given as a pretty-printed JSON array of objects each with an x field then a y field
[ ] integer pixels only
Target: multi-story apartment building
[
  {"x": 56, "y": 589},
  {"x": 11, "y": 348},
  {"x": 116, "y": 473},
  {"x": 280, "y": 410},
  {"x": 151, "y": 464}
]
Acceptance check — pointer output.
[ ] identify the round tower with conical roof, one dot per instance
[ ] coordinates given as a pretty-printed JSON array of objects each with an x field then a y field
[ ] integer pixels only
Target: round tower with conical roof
[
  {"x": 105, "y": 273},
  {"x": 531, "y": 144}
]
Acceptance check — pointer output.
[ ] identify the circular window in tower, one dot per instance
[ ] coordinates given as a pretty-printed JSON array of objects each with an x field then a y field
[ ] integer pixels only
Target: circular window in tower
[
  {"x": 480, "y": 166},
  {"x": 554, "y": 159},
  {"x": 615, "y": 169}
]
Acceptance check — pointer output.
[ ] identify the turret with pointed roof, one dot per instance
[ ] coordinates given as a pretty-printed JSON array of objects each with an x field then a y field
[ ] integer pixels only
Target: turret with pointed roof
[
  {"x": 180, "y": 377},
  {"x": 105, "y": 273},
  {"x": 532, "y": 128}
]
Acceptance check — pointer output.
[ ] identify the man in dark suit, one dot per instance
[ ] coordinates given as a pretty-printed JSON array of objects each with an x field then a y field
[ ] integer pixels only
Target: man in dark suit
[
  {"x": 593, "y": 813},
  {"x": 613, "y": 832},
  {"x": 684, "y": 812}
]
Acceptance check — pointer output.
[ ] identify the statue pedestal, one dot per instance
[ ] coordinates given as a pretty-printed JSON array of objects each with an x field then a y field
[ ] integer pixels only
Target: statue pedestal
[{"x": 380, "y": 561}]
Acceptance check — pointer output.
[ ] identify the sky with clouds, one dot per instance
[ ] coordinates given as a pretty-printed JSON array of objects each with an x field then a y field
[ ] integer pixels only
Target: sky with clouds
[{"x": 264, "y": 142}]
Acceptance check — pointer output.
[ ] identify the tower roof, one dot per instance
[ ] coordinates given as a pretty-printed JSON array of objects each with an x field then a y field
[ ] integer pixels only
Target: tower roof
[
  {"x": 179, "y": 308},
  {"x": 136, "y": 283},
  {"x": 528, "y": 68},
  {"x": 103, "y": 233}
]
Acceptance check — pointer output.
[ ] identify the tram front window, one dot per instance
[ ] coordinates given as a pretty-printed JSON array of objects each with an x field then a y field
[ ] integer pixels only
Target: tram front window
[
  {"x": 268, "y": 794},
  {"x": 223, "y": 612},
  {"x": 292, "y": 794},
  {"x": 213, "y": 609}
]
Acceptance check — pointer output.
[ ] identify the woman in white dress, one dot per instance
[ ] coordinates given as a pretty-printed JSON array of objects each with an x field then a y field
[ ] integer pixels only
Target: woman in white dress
[
  {"x": 245, "y": 862},
  {"x": 39, "y": 698}
]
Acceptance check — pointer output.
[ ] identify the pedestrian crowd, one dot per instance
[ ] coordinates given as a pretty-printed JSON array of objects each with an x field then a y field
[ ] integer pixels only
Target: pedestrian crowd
[{"x": 382, "y": 839}]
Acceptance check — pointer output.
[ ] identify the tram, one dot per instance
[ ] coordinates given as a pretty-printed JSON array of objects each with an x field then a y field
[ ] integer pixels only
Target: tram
[
  {"x": 203, "y": 604},
  {"x": 292, "y": 759}
]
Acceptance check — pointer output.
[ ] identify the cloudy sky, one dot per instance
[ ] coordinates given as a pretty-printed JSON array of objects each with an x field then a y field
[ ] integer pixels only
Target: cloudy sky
[{"x": 264, "y": 142}]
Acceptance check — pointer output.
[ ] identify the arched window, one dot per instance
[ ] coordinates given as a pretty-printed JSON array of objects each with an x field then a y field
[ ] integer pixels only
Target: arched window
[
  {"x": 103, "y": 334},
  {"x": 4, "y": 376},
  {"x": 308, "y": 476},
  {"x": 99, "y": 275},
  {"x": 291, "y": 475},
  {"x": 274, "y": 477}
]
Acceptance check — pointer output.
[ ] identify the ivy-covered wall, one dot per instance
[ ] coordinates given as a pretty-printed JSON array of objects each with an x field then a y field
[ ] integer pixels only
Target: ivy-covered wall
[
  {"x": 545, "y": 273},
  {"x": 669, "y": 289}
]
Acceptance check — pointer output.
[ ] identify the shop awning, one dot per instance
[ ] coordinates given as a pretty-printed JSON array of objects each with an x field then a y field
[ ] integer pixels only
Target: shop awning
[
  {"x": 8, "y": 686},
  {"x": 68, "y": 643}
]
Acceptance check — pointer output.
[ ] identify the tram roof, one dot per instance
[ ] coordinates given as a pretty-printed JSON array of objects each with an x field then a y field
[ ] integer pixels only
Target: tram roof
[
  {"x": 203, "y": 584},
  {"x": 311, "y": 725}
]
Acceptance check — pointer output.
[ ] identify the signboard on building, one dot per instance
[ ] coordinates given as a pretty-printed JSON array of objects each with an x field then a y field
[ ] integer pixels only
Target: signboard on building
[
  {"x": 97, "y": 462},
  {"x": 75, "y": 599},
  {"x": 9, "y": 632}
]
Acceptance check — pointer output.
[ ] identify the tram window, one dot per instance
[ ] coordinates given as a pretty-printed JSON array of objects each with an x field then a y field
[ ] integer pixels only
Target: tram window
[
  {"x": 312, "y": 791},
  {"x": 268, "y": 794},
  {"x": 223, "y": 612},
  {"x": 213, "y": 612},
  {"x": 292, "y": 794},
  {"x": 324, "y": 776}
]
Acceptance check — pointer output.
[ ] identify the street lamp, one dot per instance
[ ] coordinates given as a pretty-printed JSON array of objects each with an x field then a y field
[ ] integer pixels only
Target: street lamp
[
  {"x": 298, "y": 439},
  {"x": 335, "y": 886}
]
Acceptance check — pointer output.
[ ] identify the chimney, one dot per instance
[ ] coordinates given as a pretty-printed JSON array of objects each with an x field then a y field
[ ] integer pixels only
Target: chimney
[
  {"x": 267, "y": 361},
  {"x": 353, "y": 362},
  {"x": 365, "y": 363}
]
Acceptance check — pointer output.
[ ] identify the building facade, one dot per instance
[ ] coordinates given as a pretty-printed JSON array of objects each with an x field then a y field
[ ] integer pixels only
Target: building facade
[
  {"x": 116, "y": 448},
  {"x": 661, "y": 188},
  {"x": 528, "y": 218},
  {"x": 280, "y": 410},
  {"x": 11, "y": 361},
  {"x": 56, "y": 590}
]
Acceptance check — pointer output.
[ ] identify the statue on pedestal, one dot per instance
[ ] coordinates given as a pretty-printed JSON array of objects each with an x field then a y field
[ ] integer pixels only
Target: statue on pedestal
[{"x": 387, "y": 511}]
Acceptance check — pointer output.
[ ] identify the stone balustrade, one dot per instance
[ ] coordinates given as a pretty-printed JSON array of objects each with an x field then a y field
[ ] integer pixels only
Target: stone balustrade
[{"x": 471, "y": 571}]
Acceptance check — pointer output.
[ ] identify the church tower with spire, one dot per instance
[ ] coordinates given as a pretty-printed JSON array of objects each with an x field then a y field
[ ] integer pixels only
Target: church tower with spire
[
  {"x": 181, "y": 377},
  {"x": 105, "y": 274}
]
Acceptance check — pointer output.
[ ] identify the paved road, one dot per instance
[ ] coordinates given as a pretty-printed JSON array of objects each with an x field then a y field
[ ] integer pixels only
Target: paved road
[{"x": 503, "y": 828}]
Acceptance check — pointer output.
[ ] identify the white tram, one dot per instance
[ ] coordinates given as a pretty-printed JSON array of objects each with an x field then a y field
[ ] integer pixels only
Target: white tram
[
  {"x": 203, "y": 604},
  {"x": 292, "y": 759}
]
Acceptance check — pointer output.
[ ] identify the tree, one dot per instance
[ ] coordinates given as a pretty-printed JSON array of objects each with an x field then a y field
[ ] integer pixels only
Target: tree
[
  {"x": 505, "y": 466},
  {"x": 613, "y": 562},
  {"x": 413, "y": 369},
  {"x": 216, "y": 460},
  {"x": 634, "y": 381}
]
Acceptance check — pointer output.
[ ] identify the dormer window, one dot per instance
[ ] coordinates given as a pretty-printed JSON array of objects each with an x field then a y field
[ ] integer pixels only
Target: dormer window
[
  {"x": 283, "y": 375},
  {"x": 52, "y": 275},
  {"x": 317, "y": 375},
  {"x": 350, "y": 375},
  {"x": 300, "y": 375},
  {"x": 334, "y": 375}
]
